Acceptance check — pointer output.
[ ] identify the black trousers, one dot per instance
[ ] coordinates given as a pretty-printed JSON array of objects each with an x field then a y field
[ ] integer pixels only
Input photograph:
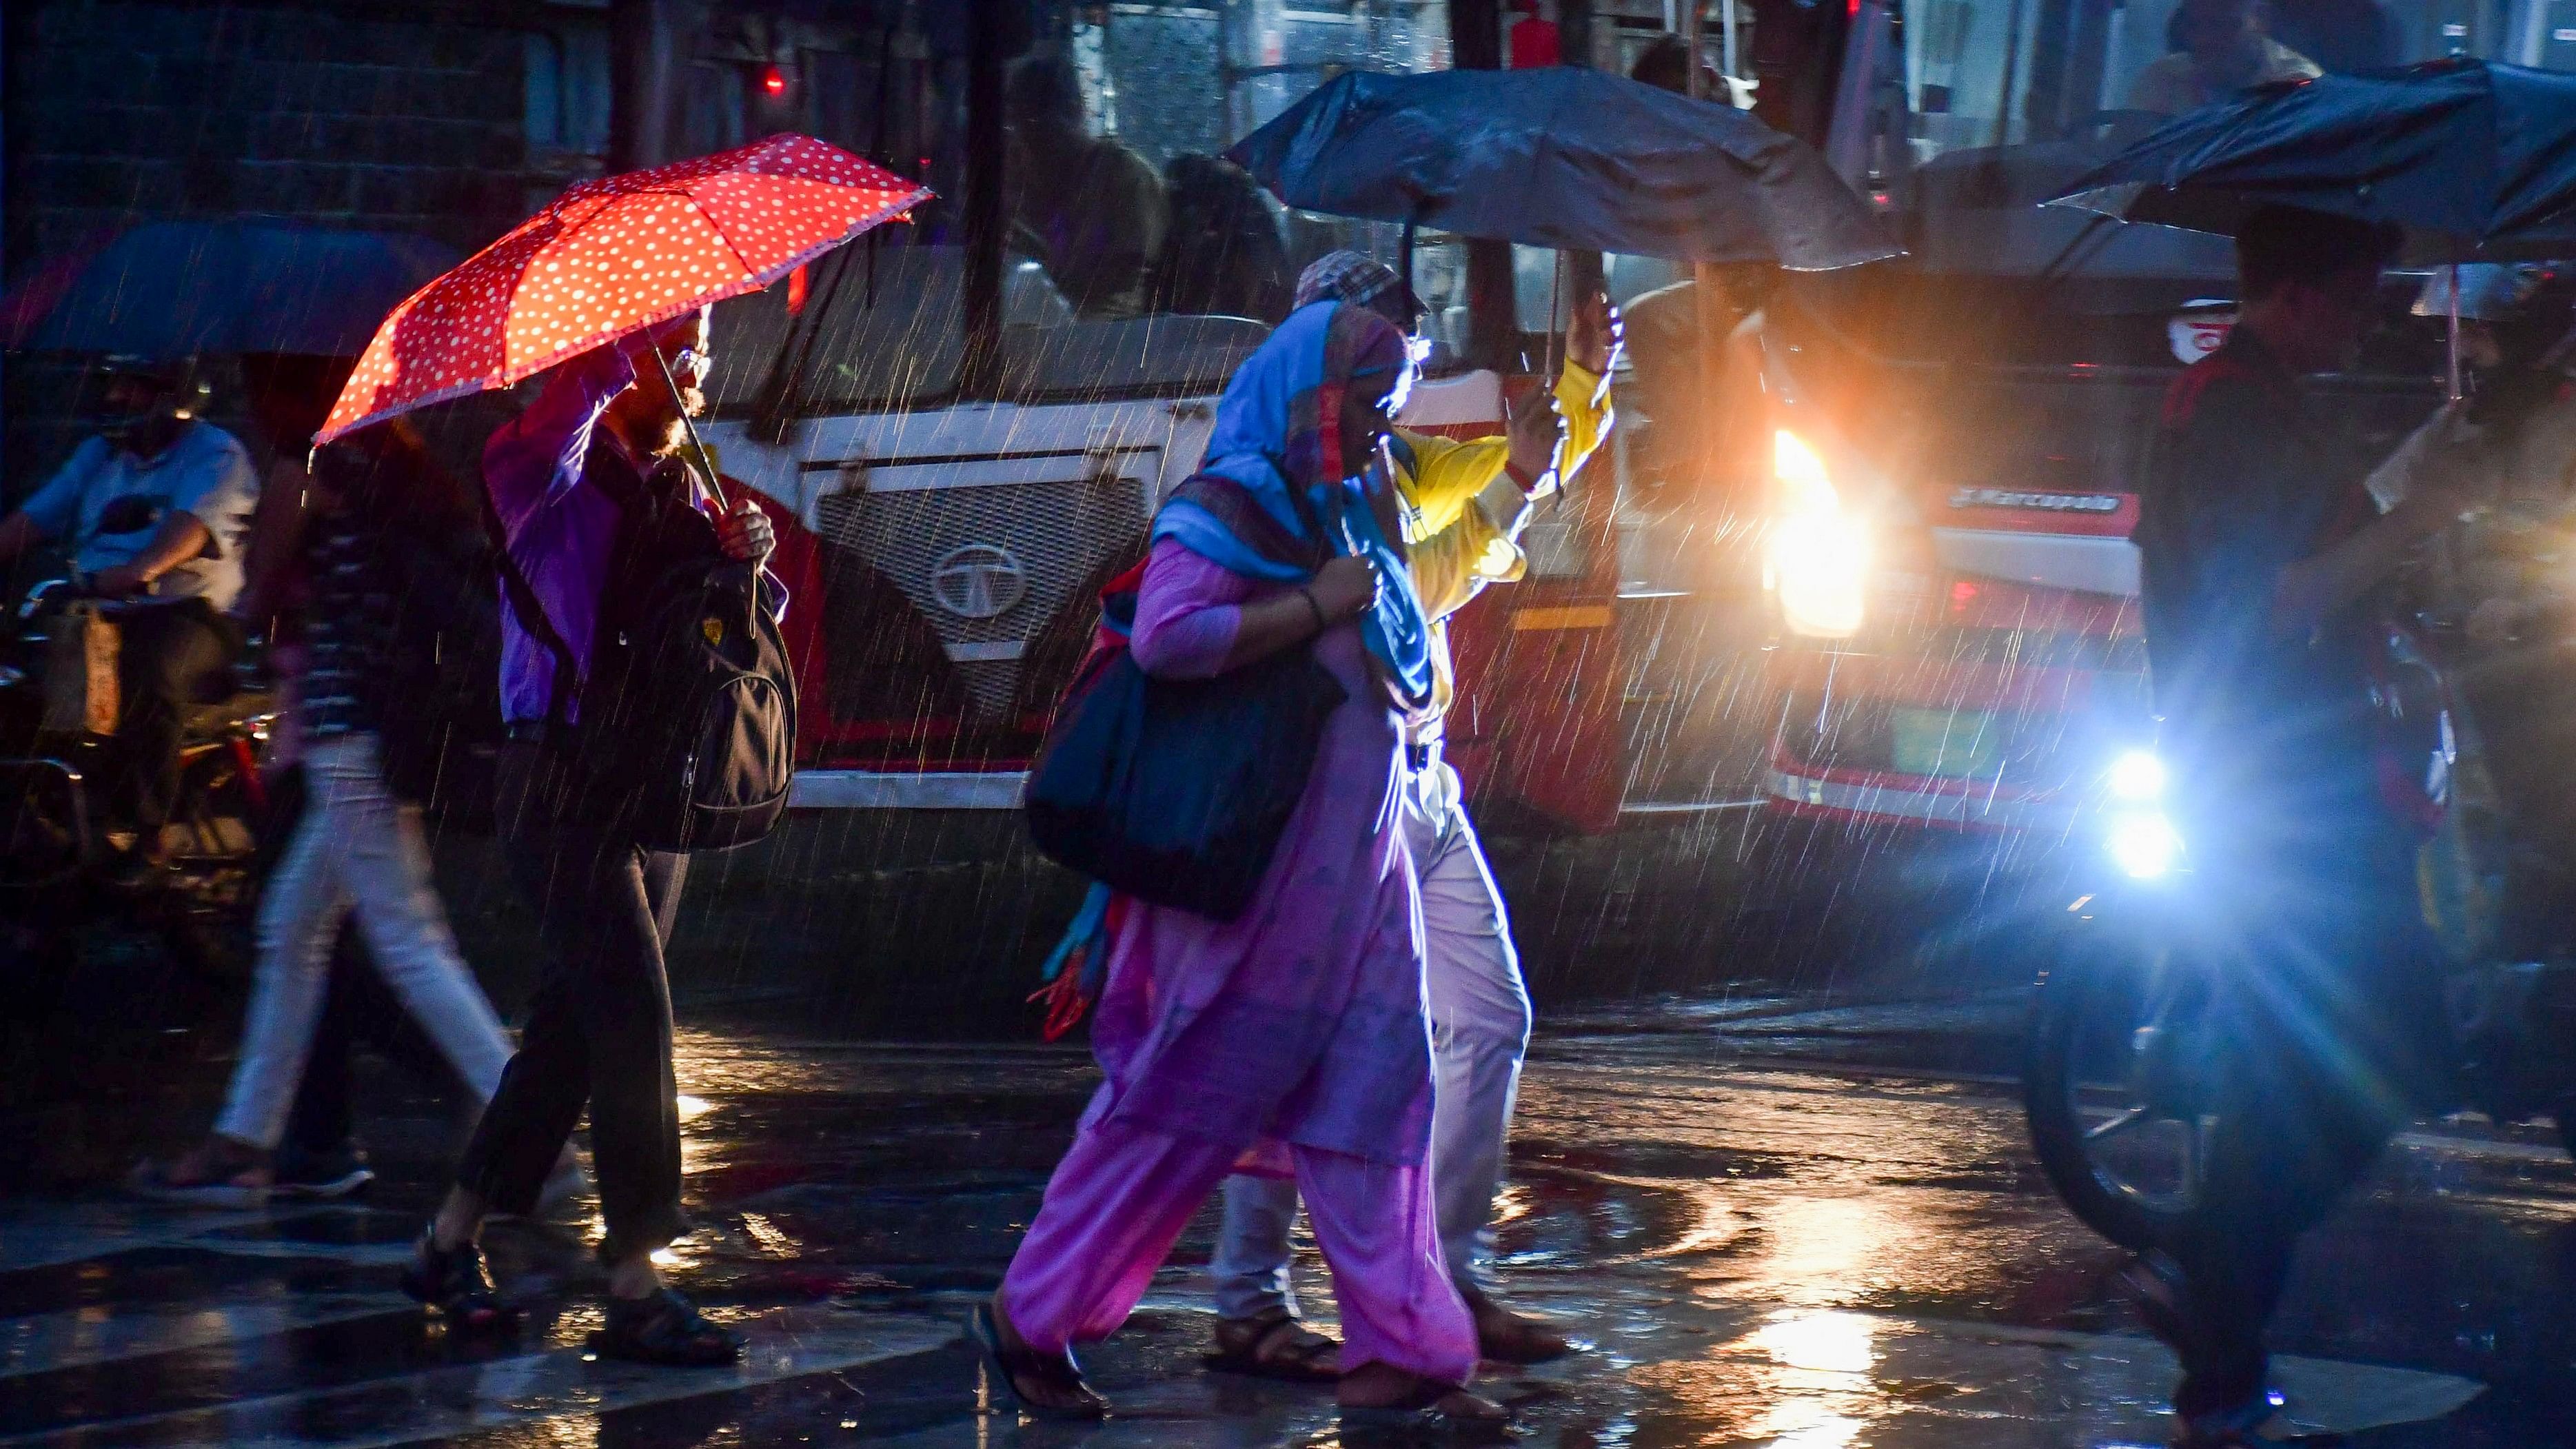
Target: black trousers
[
  {"x": 168, "y": 657},
  {"x": 599, "y": 1026},
  {"x": 2329, "y": 1004}
]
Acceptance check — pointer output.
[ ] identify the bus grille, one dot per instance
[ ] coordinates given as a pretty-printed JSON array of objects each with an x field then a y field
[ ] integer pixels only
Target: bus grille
[{"x": 990, "y": 565}]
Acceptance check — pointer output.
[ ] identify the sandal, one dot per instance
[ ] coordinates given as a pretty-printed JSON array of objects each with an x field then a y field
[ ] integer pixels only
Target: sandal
[
  {"x": 452, "y": 1281},
  {"x": 1419, "y": 1417},
  {"x": 1013, "y": 1366},
  {"x": 1274, "y": 1345},
  {"x": 665, "y": 1329}
]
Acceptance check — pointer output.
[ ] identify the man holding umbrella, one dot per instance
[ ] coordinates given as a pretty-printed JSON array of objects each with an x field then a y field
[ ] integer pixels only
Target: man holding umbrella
[
  {"x": 608, "y": 288},
  {"x": 596, "y": 448},
  {"x": 2259, "y": 543}
]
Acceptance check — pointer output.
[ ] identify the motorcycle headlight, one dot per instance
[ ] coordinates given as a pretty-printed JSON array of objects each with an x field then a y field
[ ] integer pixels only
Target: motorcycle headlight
[
  {"x": 2144, "y": 844},
  {"x": 2138, "y": 775},
  {"x": 1817, "y": 557}
]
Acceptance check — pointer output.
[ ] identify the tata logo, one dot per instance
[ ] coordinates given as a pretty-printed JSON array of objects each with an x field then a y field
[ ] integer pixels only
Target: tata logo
[
  {"x": 978, "y": 581},
  {"x": 2044, "y": 502}
]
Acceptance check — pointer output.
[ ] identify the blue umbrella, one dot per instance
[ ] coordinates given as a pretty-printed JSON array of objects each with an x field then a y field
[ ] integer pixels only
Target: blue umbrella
[
  {"x": 171, "y": 289},
  {"x": 1564, "y": 157},
  {"x": 2474, "y": 161}
]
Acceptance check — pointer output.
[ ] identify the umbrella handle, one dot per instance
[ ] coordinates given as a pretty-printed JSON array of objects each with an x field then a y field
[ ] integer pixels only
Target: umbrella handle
[{"x": 715, "y": 488}]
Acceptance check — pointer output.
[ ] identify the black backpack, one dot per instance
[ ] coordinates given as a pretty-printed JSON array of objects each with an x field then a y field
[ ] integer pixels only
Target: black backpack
[{"x": 687, "y": 733}]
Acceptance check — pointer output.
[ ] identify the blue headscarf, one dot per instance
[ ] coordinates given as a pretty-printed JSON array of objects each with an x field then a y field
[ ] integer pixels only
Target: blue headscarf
[{"x": 1278, "y": 427}]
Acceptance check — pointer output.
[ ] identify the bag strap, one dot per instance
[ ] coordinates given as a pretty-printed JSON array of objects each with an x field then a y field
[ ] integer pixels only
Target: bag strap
[{"x": 531, "y": 611}]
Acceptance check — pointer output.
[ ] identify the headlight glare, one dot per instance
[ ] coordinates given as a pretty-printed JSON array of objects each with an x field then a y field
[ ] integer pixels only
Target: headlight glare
[
  {"x": 2138, "y": 775},
  {"x": 1817, "y": 557},
  {"x": 2144, "y": 845}
]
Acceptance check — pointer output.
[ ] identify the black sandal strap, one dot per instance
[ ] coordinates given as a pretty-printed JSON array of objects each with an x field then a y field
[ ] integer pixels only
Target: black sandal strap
[
  {"x": 667, "y": 1328},
  {"x": 453, "y": 1281}
]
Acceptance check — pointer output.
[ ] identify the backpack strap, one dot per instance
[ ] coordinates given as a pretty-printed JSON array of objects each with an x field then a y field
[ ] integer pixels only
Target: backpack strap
[{"x": 523, "y": 602}]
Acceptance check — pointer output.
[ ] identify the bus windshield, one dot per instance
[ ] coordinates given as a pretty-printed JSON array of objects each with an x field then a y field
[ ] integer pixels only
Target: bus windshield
[
  {"x": 1135, "y": 262},
  {"x": 1962, "y": 115}
]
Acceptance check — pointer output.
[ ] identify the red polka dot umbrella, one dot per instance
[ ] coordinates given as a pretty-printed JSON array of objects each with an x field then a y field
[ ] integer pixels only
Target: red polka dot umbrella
[{"x": 611, "y": 256}]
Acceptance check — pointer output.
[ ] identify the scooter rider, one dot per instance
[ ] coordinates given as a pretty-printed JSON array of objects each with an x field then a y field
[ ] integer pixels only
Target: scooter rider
[
  {"x": 2259, "y": 544},
  {"x": 188, "y": 566}
]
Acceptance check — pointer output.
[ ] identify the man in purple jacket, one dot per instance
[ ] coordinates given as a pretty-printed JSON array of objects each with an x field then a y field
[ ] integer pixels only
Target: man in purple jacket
[{"x": 601, "y": 439}]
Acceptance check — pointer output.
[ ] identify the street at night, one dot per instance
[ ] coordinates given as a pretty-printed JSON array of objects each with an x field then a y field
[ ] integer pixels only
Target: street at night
[
  {"x": 1755, "y": 1245},
  {"x": 1288, "y": 724}
]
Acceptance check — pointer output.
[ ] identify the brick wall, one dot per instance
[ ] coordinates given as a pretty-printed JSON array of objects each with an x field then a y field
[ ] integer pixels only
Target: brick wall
[
  {"x": 358, "y": 114},
  {"x": 403, "y": 115}
]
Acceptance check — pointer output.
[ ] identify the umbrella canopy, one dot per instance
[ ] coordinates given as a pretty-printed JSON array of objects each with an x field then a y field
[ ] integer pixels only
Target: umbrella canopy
[
  {"x": 181, "y": 287},
  {"x": 2475, "y": 161},
  {"x": 612, "y": 256},
  {"x": 1564, "y": 157}
]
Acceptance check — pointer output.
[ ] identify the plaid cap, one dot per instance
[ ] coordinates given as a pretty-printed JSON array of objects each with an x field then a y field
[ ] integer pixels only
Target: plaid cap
[{"x": 1356, "y": 278}]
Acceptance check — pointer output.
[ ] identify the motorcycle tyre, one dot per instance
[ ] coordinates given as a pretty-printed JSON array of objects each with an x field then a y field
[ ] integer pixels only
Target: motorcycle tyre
[{"x": 2058, "y": 1012}]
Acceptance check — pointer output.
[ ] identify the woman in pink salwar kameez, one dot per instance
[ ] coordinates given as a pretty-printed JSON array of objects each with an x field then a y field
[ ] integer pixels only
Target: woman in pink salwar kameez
[{"x": 1292, "y": 1038}]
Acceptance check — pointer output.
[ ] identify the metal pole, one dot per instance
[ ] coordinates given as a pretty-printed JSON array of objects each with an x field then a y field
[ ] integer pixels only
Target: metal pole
[
  {"x": 1726, "y": 22},
  {"x": 2454, "y": 310},
  {"x": 981, "y": 219},
  {"x": 1703, "y": 274}
]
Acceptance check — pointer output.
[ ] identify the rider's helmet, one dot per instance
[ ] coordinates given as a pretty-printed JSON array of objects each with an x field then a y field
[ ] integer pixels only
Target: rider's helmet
[{"x": 141, "y": 390}]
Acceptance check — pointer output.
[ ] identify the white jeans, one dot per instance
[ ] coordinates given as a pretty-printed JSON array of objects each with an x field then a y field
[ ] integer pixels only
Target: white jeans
[
  {"x": 356, "y": 847},
  {"x": 1480, "y": 1025}
]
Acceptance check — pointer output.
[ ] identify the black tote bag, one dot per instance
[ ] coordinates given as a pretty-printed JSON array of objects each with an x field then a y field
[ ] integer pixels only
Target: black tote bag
[{"x": 1177, "y": 791}]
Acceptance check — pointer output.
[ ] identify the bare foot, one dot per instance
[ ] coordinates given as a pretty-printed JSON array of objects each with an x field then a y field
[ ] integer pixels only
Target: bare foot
[{"x": 1508, "y": 1337}]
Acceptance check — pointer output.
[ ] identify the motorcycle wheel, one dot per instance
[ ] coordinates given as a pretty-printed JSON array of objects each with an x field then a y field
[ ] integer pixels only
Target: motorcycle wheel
[{"x": 2111, "y": 1090}]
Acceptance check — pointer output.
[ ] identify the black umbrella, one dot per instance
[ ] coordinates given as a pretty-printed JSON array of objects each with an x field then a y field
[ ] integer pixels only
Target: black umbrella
[
  {"x": 1564, "y": 157},
  {"x": 2474, "y": 161},
  {"x": 174, "y": 288}
]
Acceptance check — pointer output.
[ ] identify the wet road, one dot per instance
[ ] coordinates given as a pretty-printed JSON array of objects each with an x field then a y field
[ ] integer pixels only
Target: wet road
[{"x": 1760, "y": 1247}]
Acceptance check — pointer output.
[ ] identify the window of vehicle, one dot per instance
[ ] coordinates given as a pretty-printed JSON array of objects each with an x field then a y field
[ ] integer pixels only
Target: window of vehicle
[{"x": 1963, "y": 114}]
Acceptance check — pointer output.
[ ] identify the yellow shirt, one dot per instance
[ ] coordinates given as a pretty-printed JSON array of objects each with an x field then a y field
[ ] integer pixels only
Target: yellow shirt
[{"x": 1455, "y": 544}]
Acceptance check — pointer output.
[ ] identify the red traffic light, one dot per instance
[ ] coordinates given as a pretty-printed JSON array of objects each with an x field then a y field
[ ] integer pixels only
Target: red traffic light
[{"x": 773, "y": 80}]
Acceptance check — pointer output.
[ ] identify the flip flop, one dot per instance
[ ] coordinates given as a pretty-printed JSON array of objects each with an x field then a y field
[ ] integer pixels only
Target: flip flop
[
  {"x": 1263, "y": 1355},
  {"x": 1010, "y": 1365}
]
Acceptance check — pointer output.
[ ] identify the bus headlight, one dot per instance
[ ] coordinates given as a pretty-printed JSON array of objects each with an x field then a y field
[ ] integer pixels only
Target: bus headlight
[
  {"x": 2144, "y": 844},
  {"x": 1816, "y": 560}
]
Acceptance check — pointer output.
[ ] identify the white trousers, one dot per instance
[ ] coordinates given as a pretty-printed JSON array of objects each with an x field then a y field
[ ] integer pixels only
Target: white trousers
[
  {"x": 1480, "y": 1025},
  {"x": 357, "y": 847}
]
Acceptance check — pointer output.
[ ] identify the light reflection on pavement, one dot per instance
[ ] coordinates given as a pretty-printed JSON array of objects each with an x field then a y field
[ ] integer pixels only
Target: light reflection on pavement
[{"x": 1756, "y": 1252}]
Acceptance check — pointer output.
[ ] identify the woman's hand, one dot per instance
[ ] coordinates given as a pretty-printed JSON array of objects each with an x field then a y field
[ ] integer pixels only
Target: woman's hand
[
  {"x": 1345, "y": 588},
  {"x": 746, "y": 534}
]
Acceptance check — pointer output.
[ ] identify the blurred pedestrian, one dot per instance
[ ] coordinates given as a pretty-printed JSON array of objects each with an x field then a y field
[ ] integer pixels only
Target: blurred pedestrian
[
  {"x": 1294, "y": 1032},
  {"x": 588, "y": 487},
  {"x": 1465, "y": 501},
  {"x": 357, "y": 847}
]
